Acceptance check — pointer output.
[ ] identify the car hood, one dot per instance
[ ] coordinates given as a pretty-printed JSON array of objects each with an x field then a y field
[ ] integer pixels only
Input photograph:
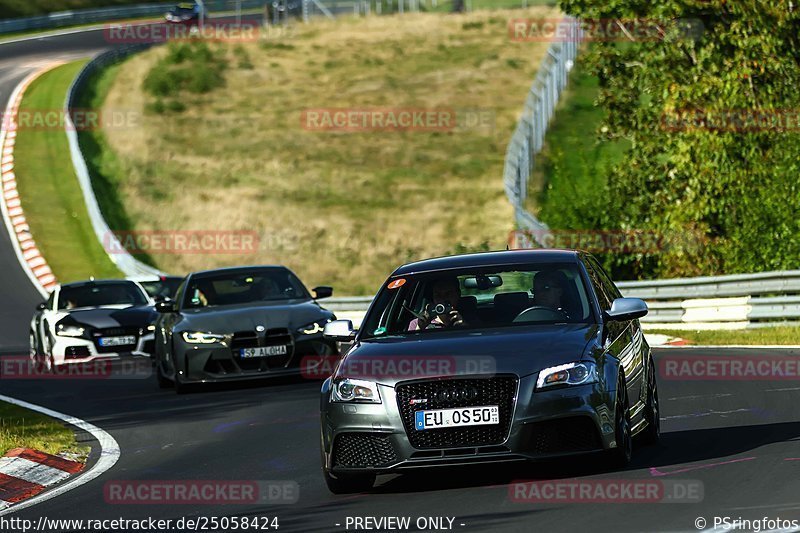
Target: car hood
[
  {"x": 518, "y": 350},
  {"x": 114, "y": 317},
  {"x": 290, "y": 314}
]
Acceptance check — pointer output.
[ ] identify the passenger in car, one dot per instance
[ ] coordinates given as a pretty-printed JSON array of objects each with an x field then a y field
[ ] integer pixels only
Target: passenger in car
[{"x": 445, "y": 291}]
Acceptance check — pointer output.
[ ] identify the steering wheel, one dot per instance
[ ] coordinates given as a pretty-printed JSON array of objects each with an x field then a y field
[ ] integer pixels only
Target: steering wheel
[{"x": 540, "y": 313}]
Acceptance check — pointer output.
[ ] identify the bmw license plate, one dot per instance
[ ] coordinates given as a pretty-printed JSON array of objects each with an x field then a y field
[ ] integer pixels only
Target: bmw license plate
[
  {"x": 117, "y": 341},
  {"x": 264, "y": 351},
  {"x": 461, "y": 416}
]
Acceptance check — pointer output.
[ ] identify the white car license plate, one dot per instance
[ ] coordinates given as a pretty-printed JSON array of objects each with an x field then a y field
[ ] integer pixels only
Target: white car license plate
[
  {"x": 117, "y": 341},
  {"x": 264, "y": 351},
  {"x": 461, "y": 416}
]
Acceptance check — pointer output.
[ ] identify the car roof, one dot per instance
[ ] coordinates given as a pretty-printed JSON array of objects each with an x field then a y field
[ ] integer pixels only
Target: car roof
[
  {"x": 234, "y": 270},
  {"x": 86, "y": 283},
  {"x": 485, "y": 259}
]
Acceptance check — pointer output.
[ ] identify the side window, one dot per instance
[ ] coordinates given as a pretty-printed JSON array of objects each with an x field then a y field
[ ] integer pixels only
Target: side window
[
  {"x": 51, "y": 300},
  {"x": 598, "y": 286},
  {"x": 611, "y": 289}
]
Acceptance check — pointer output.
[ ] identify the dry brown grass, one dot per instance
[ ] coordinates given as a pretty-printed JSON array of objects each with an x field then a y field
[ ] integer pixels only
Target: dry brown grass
[{"x": 338, "y": 208}]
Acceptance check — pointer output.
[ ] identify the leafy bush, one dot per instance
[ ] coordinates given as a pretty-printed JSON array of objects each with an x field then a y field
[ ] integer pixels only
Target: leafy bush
[
  {"x": 190, "y": 66},
  {"x": 733, "y": 187}
]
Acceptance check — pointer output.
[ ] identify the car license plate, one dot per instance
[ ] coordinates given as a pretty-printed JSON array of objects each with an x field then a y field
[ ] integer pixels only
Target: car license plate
[
  {"x": 117, "y": 341},
  {"x": 462, "y": 416},
  {"x": 264, "y": 351}
]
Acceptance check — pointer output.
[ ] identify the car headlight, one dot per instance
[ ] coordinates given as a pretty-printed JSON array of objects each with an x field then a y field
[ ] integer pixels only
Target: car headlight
[
  {"x": 355, "y": 390},
  {"x": 198, "y": 337},
  {"x": 315, "y": 328},
  {"x": 69, "y": 330},
  {"x": 569, "y": 374}
]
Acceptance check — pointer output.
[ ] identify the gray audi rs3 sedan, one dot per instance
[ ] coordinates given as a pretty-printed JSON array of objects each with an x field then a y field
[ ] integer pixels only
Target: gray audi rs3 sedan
[{"x": 488, "y": 357}]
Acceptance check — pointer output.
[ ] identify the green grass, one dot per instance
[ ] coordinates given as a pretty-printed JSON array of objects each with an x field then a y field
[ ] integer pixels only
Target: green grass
[
  {"x": 22, "y": 428},
  {"x": 339, "y": 208},
  {"x": 50, "y": 192},
  {"x": 767, "y": 335},
  {"x": 569, "y": 174}
]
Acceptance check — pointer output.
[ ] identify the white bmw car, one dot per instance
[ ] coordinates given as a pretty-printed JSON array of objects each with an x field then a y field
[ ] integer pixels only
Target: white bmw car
[{"x": 89, "y": 320}]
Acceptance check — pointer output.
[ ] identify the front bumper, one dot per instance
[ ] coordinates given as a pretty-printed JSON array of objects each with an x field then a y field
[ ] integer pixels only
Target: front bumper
[
  {"x": 552, "y": 423},
  {"x": 209, "y": 363},
  {"x": 69, "y": 350}
]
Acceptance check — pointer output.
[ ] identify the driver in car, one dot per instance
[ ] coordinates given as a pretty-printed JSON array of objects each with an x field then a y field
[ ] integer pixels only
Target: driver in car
[
  {"x": 446, "y": 294},
  {"x": 549, "y": 287}
]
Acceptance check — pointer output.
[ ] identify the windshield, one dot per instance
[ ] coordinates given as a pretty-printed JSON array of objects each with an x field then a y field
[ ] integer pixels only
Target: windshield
[
  {"x": 474, "y": 299},
  {"x": 164, "y": 288},
  {"x": 100, "y": 294},
  {"x": 243, "y": 288}
]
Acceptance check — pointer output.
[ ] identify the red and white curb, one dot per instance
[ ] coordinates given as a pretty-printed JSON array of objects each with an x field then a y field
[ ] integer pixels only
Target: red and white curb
[
  {"x": 24, "y": 473},
  {"x": 28, "y": 254}
]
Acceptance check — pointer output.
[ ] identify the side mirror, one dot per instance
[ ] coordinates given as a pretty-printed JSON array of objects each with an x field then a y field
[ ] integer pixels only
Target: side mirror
[
  {"x": 166, "y": 306},
  {"x": 625, "y": 309},
  {"x": 42, "y": 306},
  {"x": 322, "y": 292},
  {"x": 339, "y": 330},
  {"x": 159, "y": 298}
]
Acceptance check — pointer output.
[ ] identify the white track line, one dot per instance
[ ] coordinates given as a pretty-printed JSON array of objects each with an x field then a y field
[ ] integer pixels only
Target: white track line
[{"x": 109, "y": 455}]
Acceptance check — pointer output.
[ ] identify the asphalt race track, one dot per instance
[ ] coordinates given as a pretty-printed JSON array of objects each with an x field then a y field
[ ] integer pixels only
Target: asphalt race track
[{"x": 740, "y": 439}]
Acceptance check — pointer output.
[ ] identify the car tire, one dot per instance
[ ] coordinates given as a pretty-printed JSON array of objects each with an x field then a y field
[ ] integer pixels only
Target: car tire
[
  {"x": 163, "y": 381},
  {"x": 348, "y": 484},
  {"x": 620, "y": 456},
  {"x": 652, "y": 433}
]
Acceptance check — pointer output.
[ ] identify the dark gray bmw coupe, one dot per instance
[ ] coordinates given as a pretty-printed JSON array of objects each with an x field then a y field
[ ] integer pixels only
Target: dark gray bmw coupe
[
  {"x": 239, "y": 323},
  {"x": 499, "y": 356}
]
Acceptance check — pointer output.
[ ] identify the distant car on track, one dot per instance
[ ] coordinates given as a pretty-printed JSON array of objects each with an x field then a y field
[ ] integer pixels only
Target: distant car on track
[
  {"x": 522, "y": 355},
  {"x": 237, "y": 324},
  {"x": 187, "y": 13},
  {"x": 159, "y": 287},
  {"x": 89, "y": 320}
]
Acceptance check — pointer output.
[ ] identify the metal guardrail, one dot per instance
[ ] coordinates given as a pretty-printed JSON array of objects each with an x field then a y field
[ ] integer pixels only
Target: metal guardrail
[
  {"x": 89, "y": 16},
  {"x": 528, "y": 137},
  {"x": 739, "y": 300},
  {"x": 126, "y": 263}
]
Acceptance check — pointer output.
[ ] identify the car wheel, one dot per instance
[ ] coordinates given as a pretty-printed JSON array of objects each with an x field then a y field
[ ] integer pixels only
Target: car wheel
[
  {"x": 652, "y": 433},
  {"x": 348, "y": 484},
  {"x": 163, "y": 381},
  {"x": 620, "y": 456}
]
